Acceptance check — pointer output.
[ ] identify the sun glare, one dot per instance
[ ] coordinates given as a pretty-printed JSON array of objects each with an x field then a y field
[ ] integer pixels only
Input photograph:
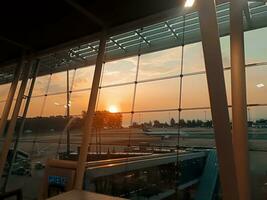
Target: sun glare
[{"x": 113, "y": 109}]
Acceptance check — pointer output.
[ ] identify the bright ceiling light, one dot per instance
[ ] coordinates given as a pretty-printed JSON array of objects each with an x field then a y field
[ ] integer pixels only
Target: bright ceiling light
[
  {"x": 189, "y": 3},
  {"x": 260, "y": 85}
]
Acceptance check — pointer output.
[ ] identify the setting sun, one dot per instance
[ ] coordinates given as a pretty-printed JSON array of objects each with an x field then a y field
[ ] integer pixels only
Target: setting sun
[{"x": 113, "y": 109}]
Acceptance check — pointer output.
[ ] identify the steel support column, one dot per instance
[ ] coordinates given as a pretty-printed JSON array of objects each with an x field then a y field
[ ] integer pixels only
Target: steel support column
[
  {"x": 89, "y": 116},
  {"x": 239, "y": 100},
  {"x": 218, "y": 100},
  {"x": 10, "y": 96},
  {"x": 24, "y": 115},
  {"x": 13, "y": 120}
]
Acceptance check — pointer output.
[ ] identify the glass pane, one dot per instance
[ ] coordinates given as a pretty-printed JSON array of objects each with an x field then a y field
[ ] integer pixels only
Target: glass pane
[
  {"x": 4, "y": 89},
  {"x": 58, "y": 83},
  {"x": 197, "y": 128},
  {"x": 114, "y": 124},
  {"x": 160, "y": 64},
  {"x": 35, "y": 107},
  {"x": 201, "y": 114},
  {"x": 256, "y": 113},
  {"x": 119, "y": 71},
  {"x": 149, "y": 118},
  {"x": 195, "y": 91},
  {"x": 255, "y": 45},
  {"x": 40, "y": 86},
  {"x": 256, "y": 85},
  {"x": 225, "y": 48},
  {"x": 193, "y": 58},
  {"x": 116, "y": 99},
  {"x": 156, "y": 128},
  {"x": 156, "y": 95},
  {"x": 55, "y": 105},
  {"x": 227, "y": 80},
  {"x": 83, "y": 78},
  {"x": 79, "y": 102}
]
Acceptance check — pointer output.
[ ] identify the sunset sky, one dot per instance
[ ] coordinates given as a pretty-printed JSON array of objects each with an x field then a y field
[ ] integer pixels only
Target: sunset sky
[{"x": 155, "y": 95}]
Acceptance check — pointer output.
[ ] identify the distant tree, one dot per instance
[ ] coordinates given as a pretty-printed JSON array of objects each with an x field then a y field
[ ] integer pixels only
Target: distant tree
[
  {"x": 112, "y": 120},
  {"x": 172, "y": 122},
  {"x": 208, "y": 124},
  {"x": 166, "y": 125},
  {"x": 105, "y": 119},
  {"x": 136, "y": 125},
  {"x": 261, "y": 121},
  {"x": 193, "y": 123},
  {"x": 199, "y": 123},
  {"x": 250, "y": 123},
  {"x": 182, "y": 123},
  {"x": 156, "y": 124}
]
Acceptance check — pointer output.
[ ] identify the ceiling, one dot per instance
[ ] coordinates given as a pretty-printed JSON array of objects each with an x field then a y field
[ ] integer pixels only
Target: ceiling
[
  {"x": 64, "y": 34},
  {"x": 43, "y": 24}
]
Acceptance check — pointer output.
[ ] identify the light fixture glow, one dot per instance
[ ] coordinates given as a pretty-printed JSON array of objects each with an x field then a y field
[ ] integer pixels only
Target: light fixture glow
[
  {"x": 189, "y": 3},
  {"x": 260, "y": 85}
]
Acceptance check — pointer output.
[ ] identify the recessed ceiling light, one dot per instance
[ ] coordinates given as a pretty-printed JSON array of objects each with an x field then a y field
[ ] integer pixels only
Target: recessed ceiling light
[
  {"x": 260, "y": 85},
  {"x": 189, "y": 3}
]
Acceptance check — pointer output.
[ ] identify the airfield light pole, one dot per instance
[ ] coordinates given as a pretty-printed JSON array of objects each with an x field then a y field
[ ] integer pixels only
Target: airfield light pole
[{"x": 68, "y": 113}]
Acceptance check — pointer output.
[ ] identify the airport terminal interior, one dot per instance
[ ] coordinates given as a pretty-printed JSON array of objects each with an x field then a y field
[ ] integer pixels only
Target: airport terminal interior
[{"x": 141, "y": 100}]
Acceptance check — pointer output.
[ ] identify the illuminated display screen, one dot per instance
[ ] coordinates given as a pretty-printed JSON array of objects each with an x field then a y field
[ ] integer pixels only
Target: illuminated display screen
[{"x": 57, "y": 180}]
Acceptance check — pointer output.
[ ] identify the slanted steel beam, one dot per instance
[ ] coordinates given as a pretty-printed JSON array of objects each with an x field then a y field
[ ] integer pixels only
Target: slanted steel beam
[
  {"x": 218, "y": 100},
  {"x": 14, "y": 117},
  {"x": 10, "y": 96},
  {"x": 86, "y": 13},
  {"x": 89, "y": 116},
  {"x": 239, "y": 100}
]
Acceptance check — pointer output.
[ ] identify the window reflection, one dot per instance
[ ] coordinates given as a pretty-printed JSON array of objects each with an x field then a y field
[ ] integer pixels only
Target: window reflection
[
  {"x": 83, "y": 78},
  {"x": 120, "y": 71},
  {"x": 155, "y": 95},
  {"x": 160, "y": 64},
  {"x": 120, "y": 97}
]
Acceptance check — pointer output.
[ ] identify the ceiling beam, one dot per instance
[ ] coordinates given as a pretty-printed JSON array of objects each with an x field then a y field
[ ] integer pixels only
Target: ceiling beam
[
  {"x": 23, "y": 46},
  {"x": 142, "y": 37},
  {"x": 86, "y": 13}
]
